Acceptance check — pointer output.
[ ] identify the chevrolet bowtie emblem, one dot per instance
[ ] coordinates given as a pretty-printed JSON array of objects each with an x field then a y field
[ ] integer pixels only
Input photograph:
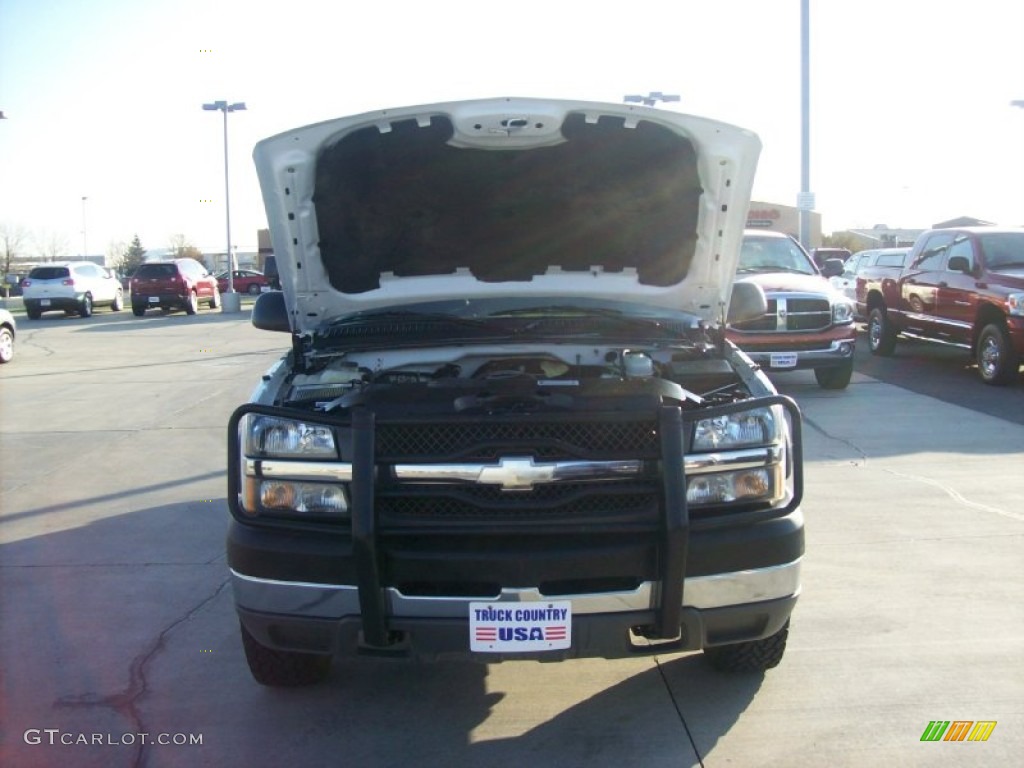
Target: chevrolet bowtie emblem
[{"x": 517, "y": 474}]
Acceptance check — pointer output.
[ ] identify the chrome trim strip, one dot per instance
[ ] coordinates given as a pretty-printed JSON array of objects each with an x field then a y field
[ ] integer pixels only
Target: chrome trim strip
[
  {"x": 324, "y": 471},
  {"x": 934, "y": 340},
  {"x": 922, "y": 318},
  {"x": 513, "y": 474},
  {"x": 518, "y": 473},
  {"x": 702, "y": 463},
  {"x": 335, "y": 601}
]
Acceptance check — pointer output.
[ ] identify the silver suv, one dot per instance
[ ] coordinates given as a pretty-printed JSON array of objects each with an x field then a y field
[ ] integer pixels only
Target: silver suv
[{"x": 71, "y": 287}]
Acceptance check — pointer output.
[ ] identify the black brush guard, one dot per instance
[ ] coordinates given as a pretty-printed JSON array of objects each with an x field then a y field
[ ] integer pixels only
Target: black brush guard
[{"x": 674, "y": 425}]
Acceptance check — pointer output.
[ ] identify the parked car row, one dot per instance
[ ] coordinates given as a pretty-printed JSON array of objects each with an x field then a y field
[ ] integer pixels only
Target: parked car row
[{"x": 78, "y": 287}]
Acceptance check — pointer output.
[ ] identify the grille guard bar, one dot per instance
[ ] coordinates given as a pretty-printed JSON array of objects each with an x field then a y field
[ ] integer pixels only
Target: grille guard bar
[{"x": 673, "y": 426}]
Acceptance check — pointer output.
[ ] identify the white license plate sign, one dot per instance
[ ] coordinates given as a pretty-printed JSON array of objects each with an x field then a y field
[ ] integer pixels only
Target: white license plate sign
[
  {"x": 154, "y": 299},
  {"x": 783, "y": 360},
  {"x": 44, "y": 302},
  {"x": 520, "y": 627}
]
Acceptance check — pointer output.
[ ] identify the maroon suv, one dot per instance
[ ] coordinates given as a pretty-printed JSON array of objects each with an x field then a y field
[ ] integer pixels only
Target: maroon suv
[{"x": 173, "y": 284}]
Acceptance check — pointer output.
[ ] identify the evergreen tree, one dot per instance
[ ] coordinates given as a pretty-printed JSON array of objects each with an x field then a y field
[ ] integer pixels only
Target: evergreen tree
[{"x": 131, "y": 258}]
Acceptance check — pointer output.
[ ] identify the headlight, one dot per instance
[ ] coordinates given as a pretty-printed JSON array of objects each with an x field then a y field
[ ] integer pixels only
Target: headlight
[
  {"x": 1015, "y": 304},
  {"x": 842, "y": 312},
  {"x": 308, "y": 498},
  {"x": 742, "y": 485},
  {"x": 272, "y": 437},
  {"x": 735, "y": 430}
]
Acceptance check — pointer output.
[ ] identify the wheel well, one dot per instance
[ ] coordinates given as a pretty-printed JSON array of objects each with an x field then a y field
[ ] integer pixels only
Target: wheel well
[
  {"x": 875, "y": 300},
  {"x": 987, "y": 315}
]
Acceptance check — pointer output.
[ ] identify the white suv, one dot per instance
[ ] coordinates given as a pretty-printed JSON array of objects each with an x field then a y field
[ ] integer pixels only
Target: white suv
[{"x": 70, "y": 286}]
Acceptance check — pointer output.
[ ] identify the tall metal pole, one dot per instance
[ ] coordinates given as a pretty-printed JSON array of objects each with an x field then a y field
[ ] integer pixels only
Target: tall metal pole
[
  {"x": 805, "y": 202},
  {"x": 224, "y": 107},
  {"x": 227, "y": 206}
]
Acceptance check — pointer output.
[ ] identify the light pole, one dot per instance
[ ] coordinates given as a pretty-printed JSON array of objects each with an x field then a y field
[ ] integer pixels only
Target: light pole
[
  {"x": 1017, "y": 103},
  {"x": 650, "y": 99},
  {"x": 805, "y": 200},
  {"x": 85, "y": 247},
  {"x": 223, "y": 106}
]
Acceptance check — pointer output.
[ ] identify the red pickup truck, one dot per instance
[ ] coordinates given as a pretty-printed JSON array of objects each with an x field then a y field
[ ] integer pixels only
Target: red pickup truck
[{"x": 962, "y": 287}]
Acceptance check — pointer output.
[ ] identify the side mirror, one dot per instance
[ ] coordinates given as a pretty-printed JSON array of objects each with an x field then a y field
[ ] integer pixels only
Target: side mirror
[
  {"x": 269, "y": 313},
  {"x": 747, "y": 302},
  {"x": 959, "y": 264},
  {"x": 832, "y": 268}
]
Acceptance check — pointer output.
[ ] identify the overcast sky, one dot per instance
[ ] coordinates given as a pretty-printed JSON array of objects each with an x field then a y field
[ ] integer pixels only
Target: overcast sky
[{"x": 911, "y": 120}]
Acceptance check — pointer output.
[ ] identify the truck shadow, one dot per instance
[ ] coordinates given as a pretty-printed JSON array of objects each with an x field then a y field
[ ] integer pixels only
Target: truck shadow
[{"x": 126, "y": 624}]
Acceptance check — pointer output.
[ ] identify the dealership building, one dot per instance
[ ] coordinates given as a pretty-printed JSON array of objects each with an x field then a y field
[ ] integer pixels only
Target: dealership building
[{"x": 783, "y": 218}]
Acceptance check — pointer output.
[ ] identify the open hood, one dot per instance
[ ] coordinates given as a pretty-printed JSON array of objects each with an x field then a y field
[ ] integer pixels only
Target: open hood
[{"x": 503, "y": 197}]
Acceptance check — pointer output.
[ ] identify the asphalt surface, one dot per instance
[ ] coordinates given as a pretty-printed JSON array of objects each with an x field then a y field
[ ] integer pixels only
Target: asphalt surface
[{"x": 116, "y": 618}]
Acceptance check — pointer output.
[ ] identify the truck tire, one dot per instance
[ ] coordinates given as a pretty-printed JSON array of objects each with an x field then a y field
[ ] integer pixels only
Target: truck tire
[
  {"x": 834, "y": 378},
  {"x": 997, "y": 361},
  {"x": 283, "y": 668},
  {"x": 881, "y": 336},
  {"x": 192, "y": 304},
  {"x": 748, "y": 657}
]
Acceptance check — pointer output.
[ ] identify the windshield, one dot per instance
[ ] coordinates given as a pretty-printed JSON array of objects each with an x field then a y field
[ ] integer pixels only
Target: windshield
[
  {"x": 773, "y": 254},
  {"x": 48, "y": 273},
  {"x": 156, "y": 270},
  {"x": 1003, "y": 249}
]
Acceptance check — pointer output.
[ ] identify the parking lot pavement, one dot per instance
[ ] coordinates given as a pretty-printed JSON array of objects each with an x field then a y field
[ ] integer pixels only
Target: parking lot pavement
[{"x": 117, "y": 619}]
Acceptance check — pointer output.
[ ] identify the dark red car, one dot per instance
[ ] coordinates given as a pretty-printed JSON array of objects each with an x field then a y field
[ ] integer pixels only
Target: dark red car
[
  {"x": 173, "y": 284},
  {"x": 246, "y": 281}
]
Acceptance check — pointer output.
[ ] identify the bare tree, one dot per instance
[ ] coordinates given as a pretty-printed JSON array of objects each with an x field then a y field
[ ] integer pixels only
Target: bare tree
[
  {"x": 12, "y": 245},
  {"x": 116, "y": 251},
  {"x": 51, "y": 246},
  {"x": 181, "y": 248}
]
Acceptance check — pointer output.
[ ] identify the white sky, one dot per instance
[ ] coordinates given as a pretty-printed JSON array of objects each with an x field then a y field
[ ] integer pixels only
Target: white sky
[{"x": 911, "y": 120}]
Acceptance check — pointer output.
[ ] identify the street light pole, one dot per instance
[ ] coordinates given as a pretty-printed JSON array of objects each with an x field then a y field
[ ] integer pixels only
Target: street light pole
[
  {"x": 223, "y": 106},
  {"x": 805, "y": 200},
  {"x": 1018, "y": 103}
]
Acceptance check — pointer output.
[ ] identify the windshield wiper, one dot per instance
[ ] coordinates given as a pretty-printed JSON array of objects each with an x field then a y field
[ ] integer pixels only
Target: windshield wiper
[
  {"x": 409, "y": 322},
  {"x": 772, "y": 268},
  {"x": 543, "y": 315}
]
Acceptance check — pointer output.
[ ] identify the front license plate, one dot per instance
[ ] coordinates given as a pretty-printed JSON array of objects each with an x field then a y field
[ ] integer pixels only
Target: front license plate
[
  {"x": 44, "y": 302},
  {"x": 520, "y": 627},
  {"x": 154, "y": 299},
  {"x": 783, "y": 360}
]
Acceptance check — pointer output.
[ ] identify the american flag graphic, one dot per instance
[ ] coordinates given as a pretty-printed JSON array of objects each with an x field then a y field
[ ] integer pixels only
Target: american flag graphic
[
  {"x": 554, "y": 633},
  {"x": 486, "y": 634}
]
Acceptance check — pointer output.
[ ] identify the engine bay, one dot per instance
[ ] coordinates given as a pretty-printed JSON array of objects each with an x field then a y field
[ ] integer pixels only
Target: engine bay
[{"x": 495, "y": 379}]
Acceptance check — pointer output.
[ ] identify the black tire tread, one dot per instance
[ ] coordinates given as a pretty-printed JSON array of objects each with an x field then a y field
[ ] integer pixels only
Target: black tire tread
[
  {"x": 1007, "y": 373},
  {"x": 887, "y": 342},
  {"x": 749, "y": 657},
  {"x": 283, "y": 669},
  {"x": 834, "y": 378}
]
